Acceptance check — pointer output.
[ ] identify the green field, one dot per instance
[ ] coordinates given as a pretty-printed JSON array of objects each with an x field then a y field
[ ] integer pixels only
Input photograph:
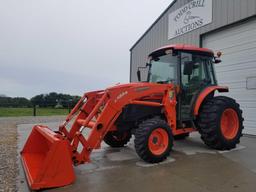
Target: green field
[{"x": 18, "y": 112}]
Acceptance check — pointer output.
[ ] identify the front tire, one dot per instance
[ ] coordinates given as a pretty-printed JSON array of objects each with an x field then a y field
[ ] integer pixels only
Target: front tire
[
  {"x": 220, "y": 123},
  {"x": 153, "y": 140}
]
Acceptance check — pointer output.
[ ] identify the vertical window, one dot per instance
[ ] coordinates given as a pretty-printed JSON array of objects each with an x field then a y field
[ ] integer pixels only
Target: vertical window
[{"x": 193, "y": 70}]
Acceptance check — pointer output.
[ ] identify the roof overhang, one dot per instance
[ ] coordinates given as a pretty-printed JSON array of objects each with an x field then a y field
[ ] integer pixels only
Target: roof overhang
[{"x": 183, "y": 47}]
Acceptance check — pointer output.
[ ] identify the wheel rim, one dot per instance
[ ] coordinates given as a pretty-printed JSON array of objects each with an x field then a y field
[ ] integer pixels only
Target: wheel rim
[
  {"x": 158, "y": 141},
  {"x": 229, "y": 123}
]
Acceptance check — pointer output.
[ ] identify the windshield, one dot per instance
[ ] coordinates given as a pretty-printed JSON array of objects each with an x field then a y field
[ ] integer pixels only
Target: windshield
[{"x": 163, "y": 69}]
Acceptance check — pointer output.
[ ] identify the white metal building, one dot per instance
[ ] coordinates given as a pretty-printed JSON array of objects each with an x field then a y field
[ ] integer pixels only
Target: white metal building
[{"x": 228, "y": 26}]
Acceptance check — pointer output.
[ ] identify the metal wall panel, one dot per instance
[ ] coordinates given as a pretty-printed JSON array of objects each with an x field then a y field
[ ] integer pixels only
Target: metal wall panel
[
  {"x": 224, "y": 12},
  {"x": 238, "y": 67}
]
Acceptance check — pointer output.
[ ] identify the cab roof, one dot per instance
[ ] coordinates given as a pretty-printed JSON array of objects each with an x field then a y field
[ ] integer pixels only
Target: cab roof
[{"x": 183, "y": 47}]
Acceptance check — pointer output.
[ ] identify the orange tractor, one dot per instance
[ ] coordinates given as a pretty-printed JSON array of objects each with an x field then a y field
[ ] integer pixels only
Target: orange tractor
[{"x": 176, "y": 99}]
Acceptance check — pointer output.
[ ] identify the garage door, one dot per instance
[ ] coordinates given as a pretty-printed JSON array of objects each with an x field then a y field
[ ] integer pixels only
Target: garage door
[{"x": 238, "y": 67}]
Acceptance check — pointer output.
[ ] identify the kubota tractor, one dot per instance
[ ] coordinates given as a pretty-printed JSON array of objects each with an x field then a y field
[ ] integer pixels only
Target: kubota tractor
[{"x": 177, "y": 98}]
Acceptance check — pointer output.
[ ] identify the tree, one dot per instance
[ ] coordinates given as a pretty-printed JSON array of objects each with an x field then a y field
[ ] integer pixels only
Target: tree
[
  {"x": 53, "y": 99},
  {"x": 38, "y": 100},
  {"x": 14, "y": 102},
  {"x": 43, "y": 100}
]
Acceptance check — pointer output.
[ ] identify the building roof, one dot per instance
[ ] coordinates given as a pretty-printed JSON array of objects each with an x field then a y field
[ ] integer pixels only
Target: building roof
[{"x": 172, "y": 3}]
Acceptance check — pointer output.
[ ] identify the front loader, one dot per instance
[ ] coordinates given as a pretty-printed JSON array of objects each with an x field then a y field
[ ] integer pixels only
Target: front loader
[{"x": 177, "y": 98}]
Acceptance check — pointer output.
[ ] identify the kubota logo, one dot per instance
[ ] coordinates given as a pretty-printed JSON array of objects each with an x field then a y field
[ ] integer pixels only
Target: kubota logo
[{"x": 121, "y": 95}]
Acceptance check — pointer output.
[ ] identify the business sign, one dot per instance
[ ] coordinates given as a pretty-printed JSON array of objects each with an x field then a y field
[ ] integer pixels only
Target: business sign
[{"x": 193, "y": 15}]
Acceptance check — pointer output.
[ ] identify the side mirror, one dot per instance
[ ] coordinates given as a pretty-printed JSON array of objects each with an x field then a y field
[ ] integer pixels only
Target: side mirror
[
  {"x": 138, "y": 71},
  {"x": 148, "y": 64},
  {"x": 188, "y": 67},
  {"x": 138, "y": 75}
]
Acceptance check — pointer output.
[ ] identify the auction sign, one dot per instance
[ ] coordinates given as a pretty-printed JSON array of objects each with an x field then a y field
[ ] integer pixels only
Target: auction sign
[{"x": 193, "y": 15}]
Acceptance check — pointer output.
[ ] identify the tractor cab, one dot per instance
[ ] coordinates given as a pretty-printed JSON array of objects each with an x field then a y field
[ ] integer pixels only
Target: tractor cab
[{"x": 189, "y": 68}]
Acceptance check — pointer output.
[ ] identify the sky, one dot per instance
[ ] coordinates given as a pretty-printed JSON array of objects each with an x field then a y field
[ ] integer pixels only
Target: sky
[{"x": 69, "y": 46}]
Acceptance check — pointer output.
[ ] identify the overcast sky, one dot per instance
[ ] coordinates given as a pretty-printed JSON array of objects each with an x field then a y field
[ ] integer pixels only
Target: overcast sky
[{"x": 69, "y": 46}]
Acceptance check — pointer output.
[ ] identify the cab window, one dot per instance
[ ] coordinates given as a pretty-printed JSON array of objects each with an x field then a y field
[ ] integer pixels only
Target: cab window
[{"x": 193, "y": 71}]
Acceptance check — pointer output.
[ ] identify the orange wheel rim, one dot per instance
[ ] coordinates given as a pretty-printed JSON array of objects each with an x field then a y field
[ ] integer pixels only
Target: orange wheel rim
[
  {"x": 158, "y": 141},
  {"x": 229, "y": 123}
]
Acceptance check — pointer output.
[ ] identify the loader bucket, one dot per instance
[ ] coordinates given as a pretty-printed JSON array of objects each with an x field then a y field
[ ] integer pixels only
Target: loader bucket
[{"x": 46, "y": 159}]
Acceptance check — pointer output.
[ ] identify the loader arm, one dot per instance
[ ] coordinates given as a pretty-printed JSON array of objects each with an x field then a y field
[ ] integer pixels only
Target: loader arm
[
  {"x": 48, "y": 156},
  {"x": 99, "y": 110}
]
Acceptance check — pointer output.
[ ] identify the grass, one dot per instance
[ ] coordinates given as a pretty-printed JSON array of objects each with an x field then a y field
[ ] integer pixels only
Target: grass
[{"x": 18, "y": 112}]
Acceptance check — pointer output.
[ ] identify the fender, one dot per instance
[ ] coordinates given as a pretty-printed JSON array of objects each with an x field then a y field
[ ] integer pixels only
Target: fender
[{"x": 205, "y": 93}]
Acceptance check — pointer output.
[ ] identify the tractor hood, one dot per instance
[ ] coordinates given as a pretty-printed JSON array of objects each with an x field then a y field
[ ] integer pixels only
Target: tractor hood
[
  {"x": 126, "y": 91},
  {"x": 140, "y": 85}
]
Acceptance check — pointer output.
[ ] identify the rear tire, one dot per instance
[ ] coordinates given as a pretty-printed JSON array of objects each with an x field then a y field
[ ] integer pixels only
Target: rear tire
[
  {"x": 153, "y": 140},
  {"x": 220, "y": 123},
  {"x": 117, "y": 139}
]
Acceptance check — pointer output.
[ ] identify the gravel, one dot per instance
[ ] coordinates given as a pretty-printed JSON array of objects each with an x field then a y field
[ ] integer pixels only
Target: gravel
[{"x": 8, "y": 148}]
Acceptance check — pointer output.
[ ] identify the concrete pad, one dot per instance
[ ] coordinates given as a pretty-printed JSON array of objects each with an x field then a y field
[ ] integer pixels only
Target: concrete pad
[
  {"x": 142, "y": 163},
  {"x": 126, "y": 153},
  {"x": 192, "y": 145},
  {"x": 191, "y": 167}
]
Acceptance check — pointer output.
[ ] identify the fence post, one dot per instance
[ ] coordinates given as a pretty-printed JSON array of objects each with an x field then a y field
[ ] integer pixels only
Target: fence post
[
  {"x": 69, "y": 108},
  {"x": 34, "y": 110},
  {"x": 69, "y": 105}
]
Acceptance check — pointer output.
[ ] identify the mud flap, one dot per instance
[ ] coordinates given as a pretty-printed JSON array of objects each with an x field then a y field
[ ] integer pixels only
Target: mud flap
[{"x": 46, "y": 159}]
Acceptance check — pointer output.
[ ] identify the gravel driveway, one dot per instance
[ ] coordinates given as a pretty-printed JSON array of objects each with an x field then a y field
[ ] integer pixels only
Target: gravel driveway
[{"x": 8, "y": 147}]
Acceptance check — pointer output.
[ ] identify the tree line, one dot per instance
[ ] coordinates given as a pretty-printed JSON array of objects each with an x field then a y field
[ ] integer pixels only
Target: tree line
[{"x": 52, "y": 99}]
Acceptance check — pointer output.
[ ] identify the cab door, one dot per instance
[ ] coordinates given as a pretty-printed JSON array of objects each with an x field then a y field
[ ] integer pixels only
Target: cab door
[{"x": 193, "y": 79}]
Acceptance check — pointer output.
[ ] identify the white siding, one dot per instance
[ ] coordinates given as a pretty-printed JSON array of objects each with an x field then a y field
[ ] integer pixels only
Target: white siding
[{"x": 238, "y": 45}]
